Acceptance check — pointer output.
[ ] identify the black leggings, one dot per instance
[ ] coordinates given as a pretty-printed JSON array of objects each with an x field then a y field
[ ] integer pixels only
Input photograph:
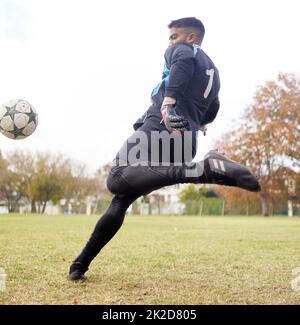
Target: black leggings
[{"x": 128, "y": 183}]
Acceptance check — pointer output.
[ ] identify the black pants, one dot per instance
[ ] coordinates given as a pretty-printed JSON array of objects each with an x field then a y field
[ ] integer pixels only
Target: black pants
[{"x": 133, "y": 176}]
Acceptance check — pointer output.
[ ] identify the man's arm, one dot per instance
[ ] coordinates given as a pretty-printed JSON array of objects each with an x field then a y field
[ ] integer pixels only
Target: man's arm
[{"x": 180, "y": 60}]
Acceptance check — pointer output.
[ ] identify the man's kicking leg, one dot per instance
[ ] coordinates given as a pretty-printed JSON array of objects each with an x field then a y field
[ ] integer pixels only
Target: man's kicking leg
[{"x": 214, "y": 169}]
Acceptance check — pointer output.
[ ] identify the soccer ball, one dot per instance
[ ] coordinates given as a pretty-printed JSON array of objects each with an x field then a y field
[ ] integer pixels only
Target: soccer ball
[{"x": 18, "y": 119}]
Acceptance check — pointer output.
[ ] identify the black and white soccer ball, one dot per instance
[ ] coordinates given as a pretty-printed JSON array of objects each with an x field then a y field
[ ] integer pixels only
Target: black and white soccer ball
[{"x": 18, "y": 119}]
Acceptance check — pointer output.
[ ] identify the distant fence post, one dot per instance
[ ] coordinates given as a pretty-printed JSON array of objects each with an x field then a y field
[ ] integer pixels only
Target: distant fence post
[
  {"x": 290, "y": 208},
  {"x": 223, "y": 207},
  {"x": 201, "y": 208}
]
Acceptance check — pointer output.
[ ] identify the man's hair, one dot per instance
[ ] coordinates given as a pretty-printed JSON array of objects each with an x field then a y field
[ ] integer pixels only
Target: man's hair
[{"x": 189, "y": 22}]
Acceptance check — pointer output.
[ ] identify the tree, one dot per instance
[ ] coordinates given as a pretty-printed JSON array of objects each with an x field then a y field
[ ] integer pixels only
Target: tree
[
  {"x": 22, "y": 164},
  {"x": 194, "y": 196},
  {"x": 239, "y": 201},
  {"x": 268, "y": 137},
  {"x": 43, "y": 177},
  {"x": 13, "y": 180}
]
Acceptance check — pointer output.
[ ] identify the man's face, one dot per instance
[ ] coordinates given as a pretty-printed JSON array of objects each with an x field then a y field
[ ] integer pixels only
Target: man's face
[{"x": 181, "y": 35}]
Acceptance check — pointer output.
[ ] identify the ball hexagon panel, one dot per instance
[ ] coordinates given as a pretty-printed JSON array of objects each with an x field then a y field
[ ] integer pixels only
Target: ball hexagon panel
[
  {"x": 21, "y": 120},
  {"x": 7, "y": 124},
  {"x": 23, "y": 107},
  {"x": 29, "y": 128}
]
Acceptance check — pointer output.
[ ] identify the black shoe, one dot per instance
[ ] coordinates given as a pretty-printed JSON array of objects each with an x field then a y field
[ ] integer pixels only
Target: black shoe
[
  {"x": 76, "y": 272},
  {"x": 221, "y": 170}
]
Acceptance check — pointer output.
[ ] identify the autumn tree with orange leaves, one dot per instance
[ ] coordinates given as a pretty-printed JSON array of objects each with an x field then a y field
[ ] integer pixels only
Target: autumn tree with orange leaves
[{"x": 267, "y": 140}]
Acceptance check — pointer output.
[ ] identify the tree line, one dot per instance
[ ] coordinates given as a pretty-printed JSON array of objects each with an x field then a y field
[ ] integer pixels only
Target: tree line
[
  {"x": 36, "y": 179},
  {"x": 267, "y": 139}
]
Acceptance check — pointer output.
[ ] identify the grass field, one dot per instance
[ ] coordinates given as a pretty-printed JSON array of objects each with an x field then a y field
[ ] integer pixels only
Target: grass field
[{"x": 152, "y": 260}]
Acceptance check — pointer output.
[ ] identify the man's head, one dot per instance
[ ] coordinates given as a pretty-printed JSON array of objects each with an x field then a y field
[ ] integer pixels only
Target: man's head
[{"x": 188, "y": 30}]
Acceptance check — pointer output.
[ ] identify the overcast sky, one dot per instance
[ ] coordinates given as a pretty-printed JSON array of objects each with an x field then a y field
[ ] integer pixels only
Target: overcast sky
[{"x": 88, "y": 67}]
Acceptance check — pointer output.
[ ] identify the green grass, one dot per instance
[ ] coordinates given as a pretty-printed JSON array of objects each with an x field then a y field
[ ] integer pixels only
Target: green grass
[{"x": 152, "y": 260}]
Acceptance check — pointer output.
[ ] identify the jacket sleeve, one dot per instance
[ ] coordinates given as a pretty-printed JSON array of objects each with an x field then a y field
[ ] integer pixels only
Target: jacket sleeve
[
  {"x": 212, "y": 111},
  {"x": 180, "y": 60}
]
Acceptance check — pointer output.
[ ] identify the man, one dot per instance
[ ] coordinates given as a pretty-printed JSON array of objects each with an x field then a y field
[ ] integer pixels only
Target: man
[{"x": 183, "y": 102}]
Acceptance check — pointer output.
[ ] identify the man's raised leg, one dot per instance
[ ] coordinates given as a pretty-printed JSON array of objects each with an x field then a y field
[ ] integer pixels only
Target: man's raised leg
[{"x": 214, "y": 169}]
